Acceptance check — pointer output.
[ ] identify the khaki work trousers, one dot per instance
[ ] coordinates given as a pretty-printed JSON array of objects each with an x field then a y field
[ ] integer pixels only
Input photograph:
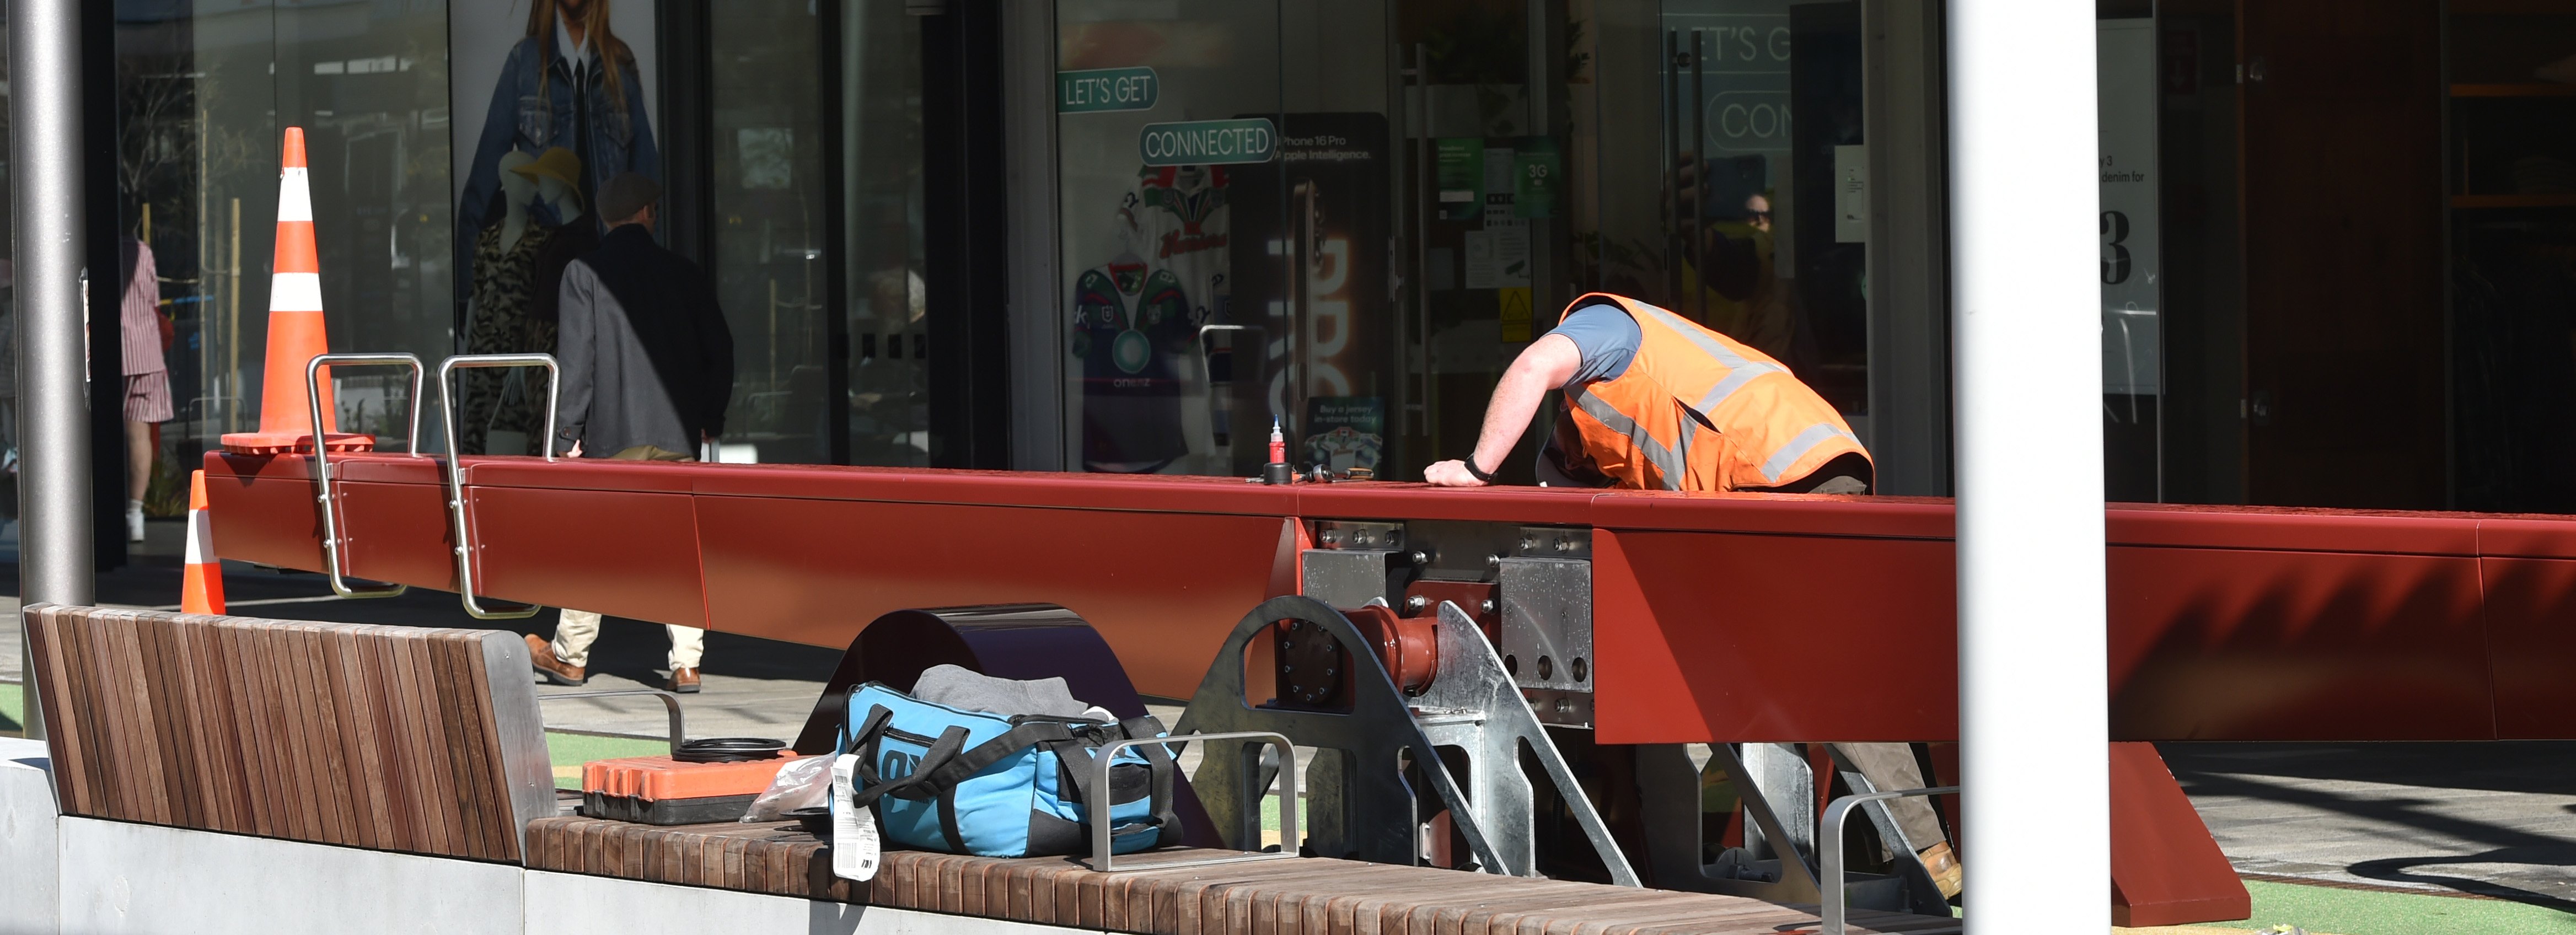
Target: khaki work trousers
[{"x": 580, "y": 628}]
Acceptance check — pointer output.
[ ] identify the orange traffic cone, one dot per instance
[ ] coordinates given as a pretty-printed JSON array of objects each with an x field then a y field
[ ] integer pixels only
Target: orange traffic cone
[
  {"x": 295, "y": 334},
  {"x": 202, "y": 591}
]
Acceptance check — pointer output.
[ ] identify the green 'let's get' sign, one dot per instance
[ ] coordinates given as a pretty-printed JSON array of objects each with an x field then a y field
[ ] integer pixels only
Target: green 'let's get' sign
[{"x": 1106, "y": 89}]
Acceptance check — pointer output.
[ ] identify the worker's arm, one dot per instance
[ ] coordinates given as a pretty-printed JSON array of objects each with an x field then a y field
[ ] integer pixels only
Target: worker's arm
[{"x": 1548, "y": 364}]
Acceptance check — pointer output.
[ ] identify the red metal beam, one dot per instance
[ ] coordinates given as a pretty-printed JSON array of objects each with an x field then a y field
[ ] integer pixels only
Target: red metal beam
[{"x": 1718, "y": 617}]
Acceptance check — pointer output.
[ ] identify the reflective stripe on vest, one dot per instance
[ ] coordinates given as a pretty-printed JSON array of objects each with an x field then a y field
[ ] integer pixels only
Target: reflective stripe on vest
[
  {"x": 1798, "y": 447},
  {"x": 1739, "y": 370},
  {"x": 1666, "y": 462}
]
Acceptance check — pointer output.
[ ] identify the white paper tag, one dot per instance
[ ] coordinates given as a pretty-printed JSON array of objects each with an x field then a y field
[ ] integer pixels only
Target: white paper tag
[{"x": 854, "y": 829}]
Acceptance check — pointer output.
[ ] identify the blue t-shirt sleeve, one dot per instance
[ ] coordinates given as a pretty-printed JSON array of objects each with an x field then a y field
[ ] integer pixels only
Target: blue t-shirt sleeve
[{"x": 1605, "y": 336}]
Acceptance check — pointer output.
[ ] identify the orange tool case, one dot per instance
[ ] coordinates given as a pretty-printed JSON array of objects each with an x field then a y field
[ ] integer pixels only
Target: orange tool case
[{"x": 658, "y": 790}]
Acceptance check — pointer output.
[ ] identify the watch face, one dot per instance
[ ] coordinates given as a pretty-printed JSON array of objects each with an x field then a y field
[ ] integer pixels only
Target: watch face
[{"x": 1130, "y": 351}]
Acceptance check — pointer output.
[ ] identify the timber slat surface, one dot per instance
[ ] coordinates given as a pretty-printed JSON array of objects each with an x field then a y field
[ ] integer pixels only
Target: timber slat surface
[
  {"x": 350, "y": 734},
  {"x": 1296, "y": 897}
]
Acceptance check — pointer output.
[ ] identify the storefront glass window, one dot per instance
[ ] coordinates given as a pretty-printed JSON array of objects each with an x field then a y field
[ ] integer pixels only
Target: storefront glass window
[
  {"x": 889, "y": 369},
  {"x": 769, "y": 204},
  {"x": 205, "y": 92}
]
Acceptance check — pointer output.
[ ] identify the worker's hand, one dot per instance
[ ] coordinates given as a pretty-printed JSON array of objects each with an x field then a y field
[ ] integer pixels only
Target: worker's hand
[
  {"x": 576, "y": 450},
  {"x": 1451, "y": 473}
]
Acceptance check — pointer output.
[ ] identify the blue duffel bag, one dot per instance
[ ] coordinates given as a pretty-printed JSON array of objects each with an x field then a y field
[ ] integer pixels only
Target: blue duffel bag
[{"x": 995, "y": 785}]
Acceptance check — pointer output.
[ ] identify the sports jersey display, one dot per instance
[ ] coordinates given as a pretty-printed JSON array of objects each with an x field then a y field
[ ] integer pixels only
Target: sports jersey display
[{"x": 1135, "y": 316}]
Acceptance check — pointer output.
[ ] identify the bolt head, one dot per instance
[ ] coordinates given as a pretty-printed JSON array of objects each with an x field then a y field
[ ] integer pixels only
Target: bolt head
[
  {"x": 1332, "y": 538},
  {"x": 1565, "y": 706},
  {"x": 1420, "y": 557},
  {"x": 1416, "y": 602},
  {"x": 1493, "y": 561},
  {"x": 1487, "y": 606}
]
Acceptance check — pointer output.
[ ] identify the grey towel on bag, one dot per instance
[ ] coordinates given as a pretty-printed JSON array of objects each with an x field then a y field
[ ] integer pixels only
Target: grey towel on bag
[{"x": 957, "y": 687}]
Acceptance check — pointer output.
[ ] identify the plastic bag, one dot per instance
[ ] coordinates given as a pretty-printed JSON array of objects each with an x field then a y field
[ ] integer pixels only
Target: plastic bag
[{"x": 805, "y": 782}]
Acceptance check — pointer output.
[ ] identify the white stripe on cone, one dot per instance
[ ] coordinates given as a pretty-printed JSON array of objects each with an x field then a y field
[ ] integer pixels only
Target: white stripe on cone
[
  {"x": 201, "y": 538},
  {"x": 295, "y": 292},
  {"x": 294, "y": 203}
]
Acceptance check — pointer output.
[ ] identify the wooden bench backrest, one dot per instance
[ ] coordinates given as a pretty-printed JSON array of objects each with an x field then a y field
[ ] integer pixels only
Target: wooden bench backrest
[{"x": 389, "y": 738}]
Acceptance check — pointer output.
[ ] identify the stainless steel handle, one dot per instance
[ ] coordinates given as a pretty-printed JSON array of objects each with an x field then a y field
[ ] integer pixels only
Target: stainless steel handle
[
  {"x": 332, "y": 559},
  {"x": 1829, "y": 841},
  {"x": 1288, "y": 836},
  {"x": 456, "y": 467},
  {"x": 669, "y": 701}
]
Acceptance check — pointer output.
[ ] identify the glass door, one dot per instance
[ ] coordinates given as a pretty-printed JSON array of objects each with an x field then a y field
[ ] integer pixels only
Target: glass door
[{"x": 1226, "y": 232}]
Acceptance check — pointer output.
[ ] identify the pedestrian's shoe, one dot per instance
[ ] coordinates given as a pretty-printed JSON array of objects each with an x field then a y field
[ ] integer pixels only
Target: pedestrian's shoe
[
  {"x": 133, "y": 520},
  {"x": 1944, "y": 867},
  {"x": 541, "y": 657},
  {"x": 684, "y": 680}
]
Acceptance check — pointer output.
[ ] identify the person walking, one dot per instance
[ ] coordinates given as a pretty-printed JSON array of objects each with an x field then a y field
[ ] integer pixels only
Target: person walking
[
  {"x": 647, "y": 371},
  {"x": 147, "y": 375}
]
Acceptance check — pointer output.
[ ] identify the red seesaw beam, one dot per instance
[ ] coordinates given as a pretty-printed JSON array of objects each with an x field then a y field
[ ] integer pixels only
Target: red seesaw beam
[{"x": 1738, "y": 617}]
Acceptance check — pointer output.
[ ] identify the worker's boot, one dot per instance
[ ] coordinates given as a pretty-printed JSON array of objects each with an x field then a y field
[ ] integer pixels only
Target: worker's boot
[
  {"x": 684, "y": 680},
  {"x": 541, "y": 657},
  {"x": 1944, "y": 867}
]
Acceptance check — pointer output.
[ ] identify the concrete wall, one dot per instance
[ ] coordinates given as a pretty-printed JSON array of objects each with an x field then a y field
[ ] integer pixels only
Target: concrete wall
[
  {"x": 91, "y": 877},
  {"x": 28, "y": 901}
]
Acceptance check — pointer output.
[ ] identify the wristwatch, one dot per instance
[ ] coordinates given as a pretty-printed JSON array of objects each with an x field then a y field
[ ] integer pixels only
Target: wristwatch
[{"x": 1481, "y": 475}]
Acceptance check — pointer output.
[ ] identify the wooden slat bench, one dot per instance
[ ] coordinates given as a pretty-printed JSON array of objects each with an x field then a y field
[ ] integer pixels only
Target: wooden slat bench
[
  {"x": 1300, "y": 896},
  {"x": 426, "y": 741}
]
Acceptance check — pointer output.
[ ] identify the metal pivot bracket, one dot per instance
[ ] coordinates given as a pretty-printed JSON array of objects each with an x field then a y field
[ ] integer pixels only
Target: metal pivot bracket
[
  {"x": 1833, "y": 913},
  {"x": 1473, "y": 704},
  {"x": 1668, "y": 789},
  {"x": 1100, "y": 830},
  {"x": 461, "y": 523},
  {"x": 1360, "y": 806},
  {"x": 334, "y": 544}
]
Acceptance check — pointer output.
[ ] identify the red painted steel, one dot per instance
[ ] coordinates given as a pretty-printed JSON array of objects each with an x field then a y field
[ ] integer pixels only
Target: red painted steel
[
  {"x": 1718, "y": 617},
  {"x": 1738, "y": 637},
  {"x": 2165, "y": 868},
  {"x": 1162, "y": 588}
]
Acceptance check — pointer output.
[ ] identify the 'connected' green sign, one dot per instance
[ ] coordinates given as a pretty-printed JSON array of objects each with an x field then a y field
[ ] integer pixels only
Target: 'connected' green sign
[
  {"x": 1208, "y": 142},
  {"x": 1105, "y": 89}
]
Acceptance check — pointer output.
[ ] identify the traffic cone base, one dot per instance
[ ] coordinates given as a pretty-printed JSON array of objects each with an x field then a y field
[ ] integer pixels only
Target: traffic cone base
[
  {"x": 295, "y": 329},
  {"x": 201, "y": 589}
]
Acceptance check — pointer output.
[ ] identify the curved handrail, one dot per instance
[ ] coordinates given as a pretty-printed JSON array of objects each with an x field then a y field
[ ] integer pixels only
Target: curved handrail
[
  {"x": 331, "y": 539},
  {"x": 463, "y": 525}
]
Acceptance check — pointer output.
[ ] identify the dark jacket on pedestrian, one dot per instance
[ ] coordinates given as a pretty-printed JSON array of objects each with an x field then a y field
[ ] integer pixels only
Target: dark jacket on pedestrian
[{"x": 646, "y": 356}]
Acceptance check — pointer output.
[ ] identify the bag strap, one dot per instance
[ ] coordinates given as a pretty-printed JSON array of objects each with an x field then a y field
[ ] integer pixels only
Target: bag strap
[
  {"x": 918, "y": 784},
  {"x": 1158, "y": 760},
  {"x": 957, "y": 770}
]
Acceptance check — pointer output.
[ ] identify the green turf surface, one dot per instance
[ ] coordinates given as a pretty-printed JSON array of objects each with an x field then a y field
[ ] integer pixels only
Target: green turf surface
[
  {"x": 2324, "y": 909},
  {"x": 571, "y": 750},
  {"x": 13, "y": 712}
]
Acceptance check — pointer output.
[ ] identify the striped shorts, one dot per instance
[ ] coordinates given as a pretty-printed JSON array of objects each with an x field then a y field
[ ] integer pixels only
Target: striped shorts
[{"x": 147, "y": 397}]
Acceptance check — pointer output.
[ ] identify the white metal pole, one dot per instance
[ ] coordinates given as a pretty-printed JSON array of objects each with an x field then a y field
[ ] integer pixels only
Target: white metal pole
[
  {"x": 2033, "y": 686},
  {"x": 54, "y": 561}
]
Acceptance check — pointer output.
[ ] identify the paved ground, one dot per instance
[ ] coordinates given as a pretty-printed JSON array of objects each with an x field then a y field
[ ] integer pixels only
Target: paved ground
[{"x": 2494, "y": 819}]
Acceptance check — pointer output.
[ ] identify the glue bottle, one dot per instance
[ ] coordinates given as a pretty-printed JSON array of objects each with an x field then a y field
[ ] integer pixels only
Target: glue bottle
[{"x": 1277, "y": 471}]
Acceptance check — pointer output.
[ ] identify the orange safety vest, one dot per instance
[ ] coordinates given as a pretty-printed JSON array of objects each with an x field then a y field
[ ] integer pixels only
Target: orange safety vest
[{"x": 1697, "y": 410}]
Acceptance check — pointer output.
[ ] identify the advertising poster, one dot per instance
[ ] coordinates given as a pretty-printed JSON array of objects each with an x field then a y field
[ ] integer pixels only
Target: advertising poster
[
  {"x": 1329, "y": 180},
  {"x": 551, "y": 99}
]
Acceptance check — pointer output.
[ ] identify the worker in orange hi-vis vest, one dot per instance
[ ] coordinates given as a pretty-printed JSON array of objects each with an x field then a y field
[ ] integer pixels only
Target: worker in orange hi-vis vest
[{"x": 1656, "y": 402}]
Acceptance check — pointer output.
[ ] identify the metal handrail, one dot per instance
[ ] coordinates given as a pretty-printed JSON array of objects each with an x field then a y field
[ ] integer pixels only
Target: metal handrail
[
  {"x": 1288, "y": 837},
  {"x": 332, "y": 558},
  {"x": 1832, "y": 914},
  {"x": 456, "y": 467},
  {"x": 669, "y": 700}
]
